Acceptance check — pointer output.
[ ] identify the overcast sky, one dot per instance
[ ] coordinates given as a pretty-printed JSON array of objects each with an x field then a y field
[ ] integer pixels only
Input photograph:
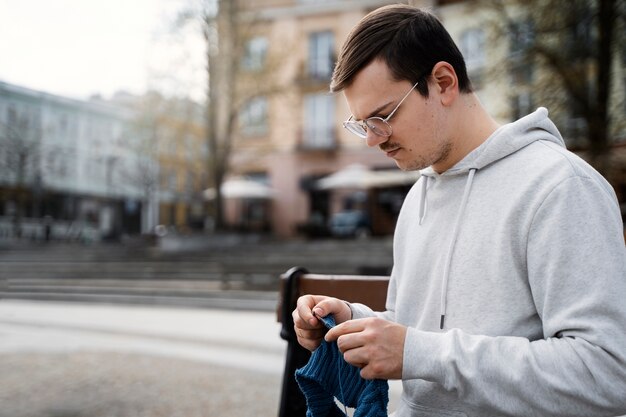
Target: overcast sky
[{"x": 77, "y": 48}]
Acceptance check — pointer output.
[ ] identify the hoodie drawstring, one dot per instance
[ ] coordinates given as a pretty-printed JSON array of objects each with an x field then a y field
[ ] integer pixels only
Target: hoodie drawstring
[
  {"x": 455, "y": 233},
  {"x": 422, "y": 208}
]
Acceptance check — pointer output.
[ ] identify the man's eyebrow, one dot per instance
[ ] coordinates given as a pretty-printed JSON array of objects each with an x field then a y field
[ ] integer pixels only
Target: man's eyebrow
[{"x": 379, "y": 109}]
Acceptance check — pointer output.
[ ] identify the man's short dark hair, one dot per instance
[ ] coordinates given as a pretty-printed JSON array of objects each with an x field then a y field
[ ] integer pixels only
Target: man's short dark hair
[{"x": 409, "y": 40}]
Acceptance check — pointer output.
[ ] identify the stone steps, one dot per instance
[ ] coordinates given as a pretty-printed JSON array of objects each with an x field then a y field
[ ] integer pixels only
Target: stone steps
[{"x": 110, "y": 273}]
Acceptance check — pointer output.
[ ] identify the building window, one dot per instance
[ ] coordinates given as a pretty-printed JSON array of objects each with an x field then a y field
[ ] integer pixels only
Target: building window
[
  {"x": 521, "y": 105},
  {"x": 63, "y": 123},
  {"x": 191, "y": 182},
  {"x": 575, "y": 128},
  {"x": 624, "y": 74},
  {"x": 321, "y": 54},
  {"x": 472, "y": 46},
  {"x": 190, "y": 147},
  {"x": 173, "y": 146},
  {"x": 521, "y": 37},
  {"x": 253, "y": 117},
  {"x": 579, "y": 40},
  {"x": 255, "y": 53},
  {"x": 172, "y": 181},
  {"x": 163, "y": 178},
  {"x": 319, "y": 126},
  {"x": 11, "y": 116}
]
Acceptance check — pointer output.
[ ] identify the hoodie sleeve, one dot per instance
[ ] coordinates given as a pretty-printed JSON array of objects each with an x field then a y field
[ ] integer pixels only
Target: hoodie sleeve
[
  {"x": 576, "y": 262},
  {"x": 360, "y": 311}
]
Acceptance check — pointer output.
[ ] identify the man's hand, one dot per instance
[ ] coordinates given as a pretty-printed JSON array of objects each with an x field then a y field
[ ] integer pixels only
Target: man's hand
[
  {"x": 309, "y": 329},
  {"x": 372, "y": 344}
]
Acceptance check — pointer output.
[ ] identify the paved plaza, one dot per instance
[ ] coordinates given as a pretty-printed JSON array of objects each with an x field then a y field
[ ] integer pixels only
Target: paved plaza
[
  {"x": 106, "y": 384},
  {"x": 75, "y": 360}
]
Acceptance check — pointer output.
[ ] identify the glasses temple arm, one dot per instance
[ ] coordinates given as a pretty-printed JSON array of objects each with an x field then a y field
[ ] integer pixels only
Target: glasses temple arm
[{"x": 401, "y": 101}]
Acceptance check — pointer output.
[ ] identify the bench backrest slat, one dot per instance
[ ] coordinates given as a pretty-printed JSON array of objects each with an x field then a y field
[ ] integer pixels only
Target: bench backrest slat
[{"x": 369, "y": 290}]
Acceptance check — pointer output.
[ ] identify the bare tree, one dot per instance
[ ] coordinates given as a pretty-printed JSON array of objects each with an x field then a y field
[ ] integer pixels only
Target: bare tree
[
  {"x": 163, "y": 130},
  {"x": 227, "y": 26},
  {"x": 564, "y": 55},
  {"x": 148, "y": 132},
  {"x": 20, "y": 153},
  {"x": 221, "y": 36}
]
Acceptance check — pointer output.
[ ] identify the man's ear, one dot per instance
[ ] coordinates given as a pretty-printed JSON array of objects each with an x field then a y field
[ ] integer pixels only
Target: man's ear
[{"x": 446, "y": 82}]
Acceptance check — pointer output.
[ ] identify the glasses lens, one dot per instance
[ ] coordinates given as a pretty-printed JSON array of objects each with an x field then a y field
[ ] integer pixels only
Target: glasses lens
[
  {"x": 378, "y": 126},
  {"x": 355, "y": 128}
]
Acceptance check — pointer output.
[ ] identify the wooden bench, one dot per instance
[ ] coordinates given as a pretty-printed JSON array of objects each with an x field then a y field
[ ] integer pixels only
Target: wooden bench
[{"x": 369, "y": 290}]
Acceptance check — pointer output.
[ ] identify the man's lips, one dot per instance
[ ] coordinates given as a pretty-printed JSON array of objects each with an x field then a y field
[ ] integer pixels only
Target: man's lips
[{"x": 391, "y": 152}]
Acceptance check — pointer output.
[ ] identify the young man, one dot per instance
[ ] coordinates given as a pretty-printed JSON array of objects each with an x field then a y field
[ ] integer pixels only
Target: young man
[{"x": 507, "y": 295}]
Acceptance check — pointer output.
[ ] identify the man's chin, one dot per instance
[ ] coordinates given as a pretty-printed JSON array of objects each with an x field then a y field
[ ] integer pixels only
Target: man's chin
[{"x": 406, "y": 166}]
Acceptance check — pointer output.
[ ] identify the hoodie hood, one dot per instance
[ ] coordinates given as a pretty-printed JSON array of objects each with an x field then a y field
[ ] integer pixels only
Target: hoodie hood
[{"x": 505, "y": 141}]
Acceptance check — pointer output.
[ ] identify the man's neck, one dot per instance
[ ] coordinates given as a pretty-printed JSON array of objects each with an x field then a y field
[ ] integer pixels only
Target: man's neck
[{"x": 472, "y": 126}]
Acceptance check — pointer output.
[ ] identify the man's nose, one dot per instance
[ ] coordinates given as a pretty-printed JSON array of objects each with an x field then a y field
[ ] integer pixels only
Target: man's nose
[{"x": 373, "y": 139}]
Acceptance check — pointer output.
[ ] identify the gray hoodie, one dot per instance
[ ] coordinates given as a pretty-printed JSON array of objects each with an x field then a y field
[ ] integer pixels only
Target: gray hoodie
[{"x": 510, "y": 273}]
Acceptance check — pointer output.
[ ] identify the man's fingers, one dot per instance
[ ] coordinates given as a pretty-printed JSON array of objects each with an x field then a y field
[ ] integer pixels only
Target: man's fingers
[
  {"x": 303, "y": 315},
  {"x": 310, "y": 334},
  {"x": 356, "y": 357},
  {"x": 350, "y": 326},
  {"x": 327, "y": 306},
  {"x": 306, "y": 317},
  {"x": 298, "y": 321},
  {"x": 310, "y": 308},
  {"x": 310, "y": 339}
]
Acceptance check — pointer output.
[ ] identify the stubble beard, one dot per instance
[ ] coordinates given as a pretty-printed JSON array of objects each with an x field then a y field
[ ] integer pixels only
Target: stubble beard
[{"x": 424, "y": 161}]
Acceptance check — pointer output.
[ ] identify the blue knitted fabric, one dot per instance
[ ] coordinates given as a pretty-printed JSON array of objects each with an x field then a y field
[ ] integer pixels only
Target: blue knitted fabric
[{"x": 327, "y": 376}]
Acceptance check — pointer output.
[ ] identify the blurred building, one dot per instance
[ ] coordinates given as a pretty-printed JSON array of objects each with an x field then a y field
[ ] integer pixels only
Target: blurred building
[
  {"x": 70, "y": 162},
  {"x": 99, "y": 169},
  {"x": 290, "y": 136}
]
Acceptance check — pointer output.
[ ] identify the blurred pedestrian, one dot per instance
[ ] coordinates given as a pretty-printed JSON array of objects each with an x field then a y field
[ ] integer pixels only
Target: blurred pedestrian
[{"x": 47, "y": 228}]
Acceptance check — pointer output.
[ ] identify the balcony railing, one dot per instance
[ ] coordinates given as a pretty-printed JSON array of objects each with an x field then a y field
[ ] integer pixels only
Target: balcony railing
[
  {"x": 318, "y": 139},
  {"x": 314, "y": 76}
]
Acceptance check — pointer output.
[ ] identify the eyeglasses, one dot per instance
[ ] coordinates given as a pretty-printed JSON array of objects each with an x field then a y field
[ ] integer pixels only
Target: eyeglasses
[{"x": 377, "y": 125}]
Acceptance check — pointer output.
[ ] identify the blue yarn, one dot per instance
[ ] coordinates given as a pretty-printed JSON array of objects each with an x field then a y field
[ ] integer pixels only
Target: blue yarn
[{"x": 328, "y": 376}]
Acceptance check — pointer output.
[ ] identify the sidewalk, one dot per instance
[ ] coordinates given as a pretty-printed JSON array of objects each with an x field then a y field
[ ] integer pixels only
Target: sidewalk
[{"x": 104, "y": 384}]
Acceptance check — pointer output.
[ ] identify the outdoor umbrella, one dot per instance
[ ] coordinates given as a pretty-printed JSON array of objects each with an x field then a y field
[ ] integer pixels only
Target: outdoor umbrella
[
  {"x": 360, "y": 177},
  {"x": 242, "y": 188}
]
